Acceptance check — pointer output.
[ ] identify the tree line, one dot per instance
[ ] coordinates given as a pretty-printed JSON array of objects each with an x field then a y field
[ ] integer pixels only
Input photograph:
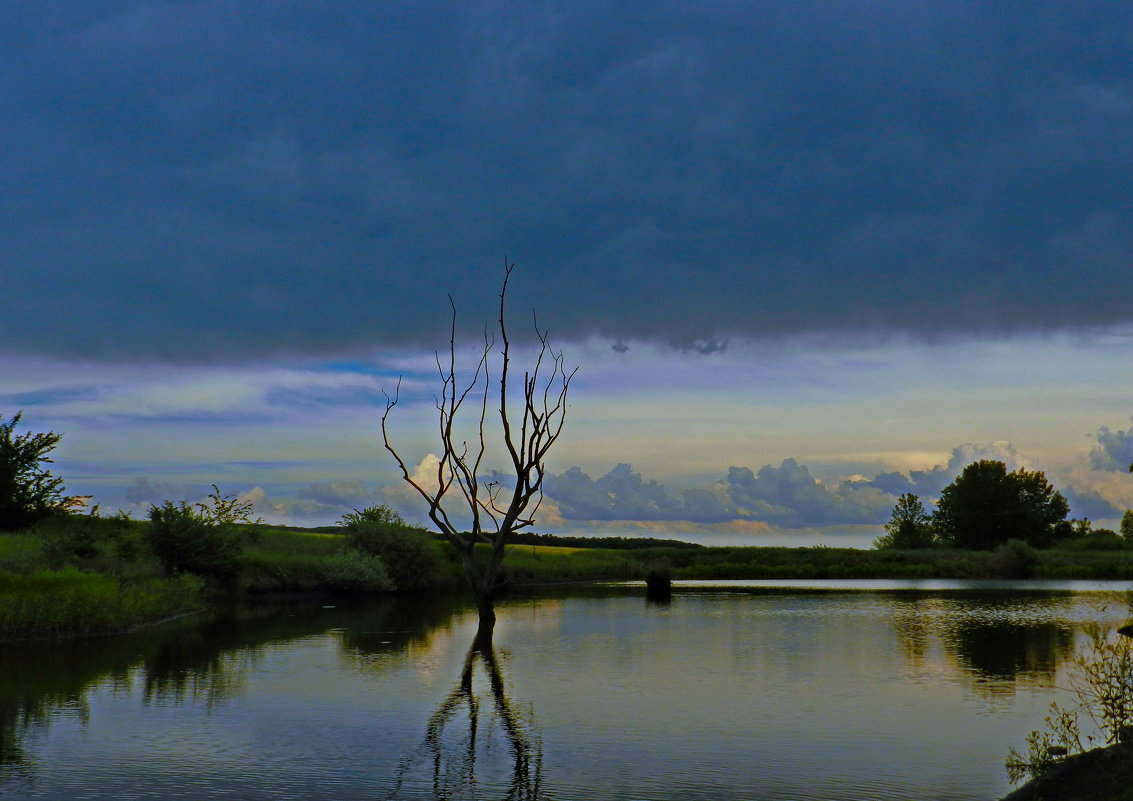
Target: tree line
[{"x": 987, "y": 506}]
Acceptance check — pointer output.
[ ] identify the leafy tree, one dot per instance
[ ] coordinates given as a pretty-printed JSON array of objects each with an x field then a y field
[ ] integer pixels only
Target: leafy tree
[
  {"x": 909, "y": 527},
  {"x": 28, "y": 492},
  {"x": 1127, "y": 525},
  {"x": 986, "y": 506}
]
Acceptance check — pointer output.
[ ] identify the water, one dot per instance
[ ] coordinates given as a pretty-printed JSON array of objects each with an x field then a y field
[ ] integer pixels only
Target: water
[{"x": 759, "y": 691}]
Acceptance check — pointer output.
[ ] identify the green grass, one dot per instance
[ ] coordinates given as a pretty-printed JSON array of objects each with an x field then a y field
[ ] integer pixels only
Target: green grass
[
  {"x": 90, "y": 576},
  {"x": 286, "y": 560},
  {"x": 19, "y": 550},
  {"x": 534, "y": 564},
  {"x": 52, "y": 603}
]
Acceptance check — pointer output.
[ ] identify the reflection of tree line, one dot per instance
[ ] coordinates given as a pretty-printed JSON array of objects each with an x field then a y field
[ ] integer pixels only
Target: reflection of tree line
[
  {"x": 191, "y": 661},
  {"x": 998, "y": 652}
]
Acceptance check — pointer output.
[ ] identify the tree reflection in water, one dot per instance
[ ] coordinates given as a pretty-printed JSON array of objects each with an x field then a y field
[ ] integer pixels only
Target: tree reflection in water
[
  {"x": 998, "y": 642},
  {"x": 458, "y": 756}
]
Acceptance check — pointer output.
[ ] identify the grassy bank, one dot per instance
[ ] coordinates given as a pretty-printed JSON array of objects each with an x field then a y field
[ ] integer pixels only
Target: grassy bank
[
  {"x": 70, "y": 602},
  {"x": 83, "y": 576},
  {"x": 559, "y": 564},
  {"x": 89, "y": 576}
]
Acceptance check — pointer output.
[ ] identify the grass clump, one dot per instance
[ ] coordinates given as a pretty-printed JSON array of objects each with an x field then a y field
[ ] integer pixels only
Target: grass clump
[{"x": 51, "y": 603}]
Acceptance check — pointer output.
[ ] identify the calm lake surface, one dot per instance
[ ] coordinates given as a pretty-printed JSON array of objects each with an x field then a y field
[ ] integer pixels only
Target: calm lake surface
[{"x": 734, "y": 690}]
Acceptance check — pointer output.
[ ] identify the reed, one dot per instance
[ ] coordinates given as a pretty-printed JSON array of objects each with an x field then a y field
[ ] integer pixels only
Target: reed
[{"x": 70, "y": 602}]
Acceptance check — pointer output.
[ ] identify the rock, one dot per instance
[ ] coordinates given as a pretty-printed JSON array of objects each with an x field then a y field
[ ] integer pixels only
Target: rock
[
  {"x": 1103, "y": 774},
  {"x": 658, "y": 584}
]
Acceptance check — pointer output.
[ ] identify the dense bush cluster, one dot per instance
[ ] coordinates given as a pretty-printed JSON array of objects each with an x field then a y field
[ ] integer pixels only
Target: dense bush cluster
[
  {"x": 186, "y": 541},
  {"x": 204, "y": 539},
  {"x": 411, "y": 556}
]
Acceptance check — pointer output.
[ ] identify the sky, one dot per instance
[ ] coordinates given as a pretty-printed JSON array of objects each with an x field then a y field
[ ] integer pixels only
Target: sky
[{"x": 806, "y": 256}]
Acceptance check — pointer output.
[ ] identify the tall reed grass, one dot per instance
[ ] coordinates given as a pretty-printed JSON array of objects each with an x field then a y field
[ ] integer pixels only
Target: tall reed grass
[{"x": 53, "y": 603}]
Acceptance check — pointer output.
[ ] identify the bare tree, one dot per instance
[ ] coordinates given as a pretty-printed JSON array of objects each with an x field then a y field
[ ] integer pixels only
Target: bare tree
[{"x": 529, "y": 425}]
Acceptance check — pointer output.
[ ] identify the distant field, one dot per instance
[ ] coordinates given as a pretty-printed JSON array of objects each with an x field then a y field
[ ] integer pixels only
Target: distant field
[{"x": 542, "y": 550}]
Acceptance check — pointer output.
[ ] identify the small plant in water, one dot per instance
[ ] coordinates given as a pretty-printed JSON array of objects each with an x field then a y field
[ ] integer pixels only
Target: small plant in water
[{"x": 1102, "y": 680}]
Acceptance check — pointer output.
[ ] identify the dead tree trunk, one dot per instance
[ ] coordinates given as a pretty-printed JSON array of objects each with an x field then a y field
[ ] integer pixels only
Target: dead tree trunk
[{"x": 477, "y": 516}]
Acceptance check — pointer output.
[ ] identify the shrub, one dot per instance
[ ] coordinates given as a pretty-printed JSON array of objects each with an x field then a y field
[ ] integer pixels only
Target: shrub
[
  {"x": 1016, "y": 559},
  {"x": 354, "y": 571},
  {"x": 70, "y": 537},
  {"x": 202, "y": 538},
  {"x": 410, "y": 555},
  {"x": 185, "y": 541},
  {"x": 1102, "y": 680}
]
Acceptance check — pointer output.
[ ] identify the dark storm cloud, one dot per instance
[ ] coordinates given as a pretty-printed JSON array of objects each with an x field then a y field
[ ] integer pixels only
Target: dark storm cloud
[{"x": 212, "y": 180}]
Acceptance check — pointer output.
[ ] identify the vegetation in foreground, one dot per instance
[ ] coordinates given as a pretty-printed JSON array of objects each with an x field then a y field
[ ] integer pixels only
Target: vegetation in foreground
[
  {"x": 1085, "y": 751},
  {"x": 1102, "y": 680}
]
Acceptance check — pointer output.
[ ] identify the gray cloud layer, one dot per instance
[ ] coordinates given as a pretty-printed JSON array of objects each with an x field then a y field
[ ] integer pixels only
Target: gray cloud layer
[
  {"x": 213, "y": 180},
  {"x": 1114, "y": 450},
  {"x": 787, "y": 496}
]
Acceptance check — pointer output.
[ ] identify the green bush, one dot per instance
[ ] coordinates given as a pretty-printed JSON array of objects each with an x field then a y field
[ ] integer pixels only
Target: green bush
[
  {"x": 1101, "y": 677},
  {"x": 186, "y": 541},
  {"x": 1016, "y": 559},
  {"x": 354, "y": 571},
  {"x": 70, "y": 537},
  {"x": 411, "y": 556}
]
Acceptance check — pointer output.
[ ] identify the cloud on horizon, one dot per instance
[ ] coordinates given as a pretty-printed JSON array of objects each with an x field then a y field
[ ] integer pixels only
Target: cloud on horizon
[
  {"x": 216, "y": 181},
  {"x": 787, "y": 496},
  {"x": 1114, "y": 451}
]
